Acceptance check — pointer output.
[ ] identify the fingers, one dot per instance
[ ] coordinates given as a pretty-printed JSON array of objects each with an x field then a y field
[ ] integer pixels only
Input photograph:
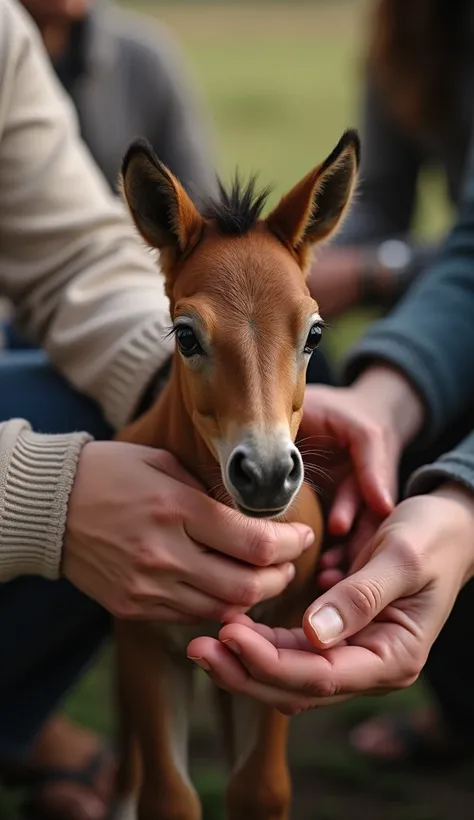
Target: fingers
[
  {"x": 361, "y": 541},
  {"x": 329, "y": 578},
  {"x": 355, "y": 601},
  {"x": 346, "y": 504},
  {"x": 290, "y": 663},
  {"x": 261, "y": 543},
  {"x": 337, "y": 562},
  {"x": 226, "y": 670},
  {"x": 369, "y": 454},
  {"x": 334, "y": 557},
  {"x": 238, "y": 584},
  {"x": 290, "y": 679},
  {"x": 156, "y": 612},
  {"x": 179, "y": 602}
]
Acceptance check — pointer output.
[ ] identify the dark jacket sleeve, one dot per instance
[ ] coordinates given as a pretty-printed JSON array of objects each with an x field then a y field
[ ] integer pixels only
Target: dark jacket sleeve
[
  {"x": 430, "y": 334},
  {"x": 458, "y": 465}
]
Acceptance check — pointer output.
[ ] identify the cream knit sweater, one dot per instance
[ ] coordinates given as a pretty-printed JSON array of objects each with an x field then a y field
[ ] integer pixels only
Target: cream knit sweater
[{"x": 82, "y": 284}]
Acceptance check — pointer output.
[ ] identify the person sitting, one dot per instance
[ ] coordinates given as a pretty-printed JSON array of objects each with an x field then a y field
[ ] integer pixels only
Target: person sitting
[
  {"x": 417, "y": 113},
  {"x": 126, "y": 77},
  {"x": 73, "y": 509}
]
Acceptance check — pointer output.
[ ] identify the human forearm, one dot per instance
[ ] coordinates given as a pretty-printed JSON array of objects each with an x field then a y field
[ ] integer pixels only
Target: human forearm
[
  {"x": 69, "y": 258},
  {"x": 390, "y": 397}
]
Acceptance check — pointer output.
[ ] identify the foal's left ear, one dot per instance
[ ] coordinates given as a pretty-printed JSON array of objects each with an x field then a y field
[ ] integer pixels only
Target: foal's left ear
[
  {"x": 312, "y": 210},
  {"x": 164, "y": 214}
]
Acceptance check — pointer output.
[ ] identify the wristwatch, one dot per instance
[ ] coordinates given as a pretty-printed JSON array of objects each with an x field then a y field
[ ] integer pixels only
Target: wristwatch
[{"x": 387, "y": 272}]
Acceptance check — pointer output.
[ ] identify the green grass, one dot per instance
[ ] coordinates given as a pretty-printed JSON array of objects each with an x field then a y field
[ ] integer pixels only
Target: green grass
[{"x": 281, "y": 81}]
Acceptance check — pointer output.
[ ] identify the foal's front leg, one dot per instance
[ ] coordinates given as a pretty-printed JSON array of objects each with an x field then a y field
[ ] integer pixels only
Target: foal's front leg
[
  {"x": 259, "y": 787},
  {"x": 159, "y": 689}
]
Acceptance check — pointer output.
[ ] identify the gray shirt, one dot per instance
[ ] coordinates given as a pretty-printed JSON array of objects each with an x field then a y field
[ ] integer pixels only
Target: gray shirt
[{"x": 128, "y": 79}]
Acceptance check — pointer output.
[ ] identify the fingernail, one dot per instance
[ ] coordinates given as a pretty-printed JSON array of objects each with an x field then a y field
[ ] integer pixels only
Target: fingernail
[
  {"x": 290, "y": 571},
  {"x": 309, "y": 539},
  {"x": 232, "y": 646},
  {"x": 387, "y": 497},
  {"x": 200, "y": 662},
  {"x": 327, "y": 623},
  {"x": 305, "y": 533}
]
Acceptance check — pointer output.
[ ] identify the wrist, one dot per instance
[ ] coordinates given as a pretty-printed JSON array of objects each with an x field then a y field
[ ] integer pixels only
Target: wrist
[
  {"x": 461, "y": 499},
  {"x": 387, "y": 272},
  {"x": 391, "y": 399}
]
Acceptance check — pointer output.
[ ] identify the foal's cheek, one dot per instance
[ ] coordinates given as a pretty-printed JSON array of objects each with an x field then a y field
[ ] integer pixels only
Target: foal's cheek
[{"x": 295, "y": 423}]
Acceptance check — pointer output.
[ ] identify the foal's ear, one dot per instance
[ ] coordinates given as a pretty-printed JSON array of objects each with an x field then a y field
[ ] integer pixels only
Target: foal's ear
[
  {"x": 164, "y": 214},
  {"x": 312, "y": 210}
]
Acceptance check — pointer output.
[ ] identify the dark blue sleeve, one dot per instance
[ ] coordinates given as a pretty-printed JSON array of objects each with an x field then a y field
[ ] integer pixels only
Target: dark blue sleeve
[
  {"x": 430, "y": 334},
  {"x": 458, "y": 465}
]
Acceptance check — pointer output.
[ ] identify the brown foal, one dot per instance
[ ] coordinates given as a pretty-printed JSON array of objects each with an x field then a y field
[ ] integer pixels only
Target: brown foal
[{"x": 245, "y": 326}]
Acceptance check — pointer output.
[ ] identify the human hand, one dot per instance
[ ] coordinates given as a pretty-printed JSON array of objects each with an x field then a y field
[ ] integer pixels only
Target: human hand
[
  {"x": 144, "y": 540},
  {"x": 338, "y": 561},
  {"x": 373, "y": 631},
  {"x": 370, "y": 422}
]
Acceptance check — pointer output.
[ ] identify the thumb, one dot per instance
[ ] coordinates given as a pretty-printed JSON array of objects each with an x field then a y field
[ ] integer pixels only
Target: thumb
[
  {"x": 166, "y": 463},
  {"x": 355, "y": 601}
]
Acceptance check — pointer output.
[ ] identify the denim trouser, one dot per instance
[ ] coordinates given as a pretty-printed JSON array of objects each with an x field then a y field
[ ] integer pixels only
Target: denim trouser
[{"x": 49, "y": 631}]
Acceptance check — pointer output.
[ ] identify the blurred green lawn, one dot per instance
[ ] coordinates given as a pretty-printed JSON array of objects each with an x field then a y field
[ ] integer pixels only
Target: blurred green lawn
[{"x": 282, "y": 82}]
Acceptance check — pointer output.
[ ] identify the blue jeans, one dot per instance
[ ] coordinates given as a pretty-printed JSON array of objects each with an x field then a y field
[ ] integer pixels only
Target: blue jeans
[{"x": 49, "y": 631}]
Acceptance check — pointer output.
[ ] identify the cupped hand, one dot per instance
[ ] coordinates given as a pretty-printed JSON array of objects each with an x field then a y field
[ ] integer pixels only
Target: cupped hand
[
  {"x": 369, "y": 424},
  {"x": 372, "y": 632}
]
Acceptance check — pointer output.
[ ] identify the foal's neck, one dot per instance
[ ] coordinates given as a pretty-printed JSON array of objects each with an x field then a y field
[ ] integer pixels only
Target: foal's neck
[{"x": 169, "y": 426}]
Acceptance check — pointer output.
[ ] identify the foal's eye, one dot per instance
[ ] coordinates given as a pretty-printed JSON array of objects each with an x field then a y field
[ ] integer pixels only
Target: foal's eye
[
  {"x": 187, "y": 341},
  {"x": 314, "y": 338}
]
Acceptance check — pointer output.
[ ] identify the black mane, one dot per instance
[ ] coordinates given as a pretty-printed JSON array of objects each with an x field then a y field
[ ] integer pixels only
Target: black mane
[{"x": 236, "y": 209}]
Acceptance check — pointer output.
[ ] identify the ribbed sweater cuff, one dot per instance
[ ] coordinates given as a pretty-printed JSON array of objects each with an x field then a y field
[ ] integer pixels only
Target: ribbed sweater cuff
[
  {"x": 36, "y": 477},
  {"x": 141, "y": 358}
]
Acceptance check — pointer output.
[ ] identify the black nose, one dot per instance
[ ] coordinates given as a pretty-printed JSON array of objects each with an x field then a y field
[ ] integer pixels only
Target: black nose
[{"x": 265, "y": 485}]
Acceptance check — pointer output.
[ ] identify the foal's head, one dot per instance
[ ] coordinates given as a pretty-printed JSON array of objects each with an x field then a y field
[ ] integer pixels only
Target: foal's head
[{"x": 244, "y": 321}]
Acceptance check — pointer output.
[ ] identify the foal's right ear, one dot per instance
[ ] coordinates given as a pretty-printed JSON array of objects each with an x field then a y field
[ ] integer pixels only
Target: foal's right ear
[
  {"x": 164, "y": 214},
  {"x": 313, "y": 209}
]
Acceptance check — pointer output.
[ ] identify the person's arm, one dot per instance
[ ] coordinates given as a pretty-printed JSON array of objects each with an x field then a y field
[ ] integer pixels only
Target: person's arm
[
  {"x": 81, "y": 284},
  {"x": 70, "y": 260},
  {"x": 178, "y": 126},
  {"x": 457, "y": 465},
  {"x": 430, "y": 334}
]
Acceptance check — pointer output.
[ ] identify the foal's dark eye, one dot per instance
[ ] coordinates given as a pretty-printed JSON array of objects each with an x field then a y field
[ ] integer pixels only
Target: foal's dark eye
[
  {"x": 314, "y": 338},
  {"x": 187, "y": 341}
]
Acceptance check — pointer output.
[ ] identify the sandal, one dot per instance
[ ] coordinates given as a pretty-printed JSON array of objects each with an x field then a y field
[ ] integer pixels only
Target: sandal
[{"x": 88, "y": 802}]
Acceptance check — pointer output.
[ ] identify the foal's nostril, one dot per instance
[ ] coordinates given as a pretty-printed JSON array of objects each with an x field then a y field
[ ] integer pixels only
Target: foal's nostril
[
  {"x": 265, "y": 483},
  {"x": 295, "y": 472},
  {"x": 243, "y": 473}
]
